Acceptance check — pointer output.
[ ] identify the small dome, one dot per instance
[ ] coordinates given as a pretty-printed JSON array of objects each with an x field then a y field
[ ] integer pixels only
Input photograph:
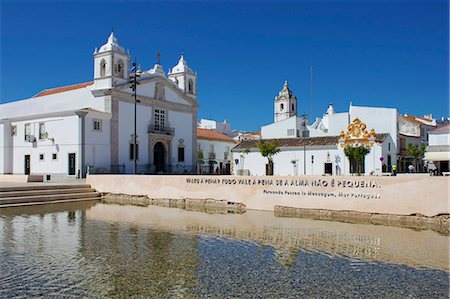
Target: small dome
[
  {"x": 157, "y": 70},
  {"x": 112, "y": 45},
  {"x": 285, "y": 92},
  {"x": 181, "y": 67}
]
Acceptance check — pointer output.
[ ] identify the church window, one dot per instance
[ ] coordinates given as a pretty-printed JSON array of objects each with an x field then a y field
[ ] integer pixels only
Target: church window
[
  {"x": 181, "y": 150},
  {"x": 226, "y": 153},
  {"x": 191, "y": 86},
  {"x": 97, "y": 124},
  {"x": 41, "y": 131},
  {"x": 132, "y": 151},
  {"x": 293, "y": 108},
  {"x": 181, "y": 154},
  {"x": 27, "y": 131},
  {"x": 291, "y": 132},
  {"x": 159, "y": 91},
  {"x": 41, "y": 157},
  {"x": 281, "y": 107},
  {"x": 159, "y": 119},
  {"x": 103, "y": 68},
  {"x": 120, "y": 69},
  {"x": 54, "y": 156}
]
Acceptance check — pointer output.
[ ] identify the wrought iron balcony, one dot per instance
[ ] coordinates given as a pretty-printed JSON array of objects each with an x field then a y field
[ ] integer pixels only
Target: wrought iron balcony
[
  {"x": 212, "y": 156},
  {"x": 161, "y": 130}
]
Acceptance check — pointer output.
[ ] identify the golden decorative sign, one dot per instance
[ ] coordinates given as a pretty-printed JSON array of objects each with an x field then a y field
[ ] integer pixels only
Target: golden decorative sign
[{"x": 357, "y": 135}]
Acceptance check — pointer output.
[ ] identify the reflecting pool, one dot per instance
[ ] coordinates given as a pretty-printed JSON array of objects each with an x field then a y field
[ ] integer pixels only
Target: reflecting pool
[{"x": 97, "y": 250}]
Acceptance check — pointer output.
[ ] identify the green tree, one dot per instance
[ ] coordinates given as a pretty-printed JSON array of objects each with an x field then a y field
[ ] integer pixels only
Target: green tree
[
  {"x": 268, "y": 149},
  {"x": 356, "y": 156},
  {"x": 416, "y": 152}
]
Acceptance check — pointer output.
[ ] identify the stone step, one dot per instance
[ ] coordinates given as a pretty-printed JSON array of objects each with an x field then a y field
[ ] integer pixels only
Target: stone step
[
  {"x": 47, "y": 198},
  {"x": 45, "y": 192},
  {"x": 43, "y": 187},
  {"x": 24, "y": 204}
]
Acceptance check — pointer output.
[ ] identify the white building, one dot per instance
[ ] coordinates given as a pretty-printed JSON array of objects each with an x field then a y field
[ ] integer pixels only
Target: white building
[
  {"x": 215, "y": 148},
  {"x": 311, "y": 156},
  {"x": 221, "y": 127},
  {"x": 64, "y": 130},
  {"x": 438, "y": 150},
  {"x": 319, "y": 152}
]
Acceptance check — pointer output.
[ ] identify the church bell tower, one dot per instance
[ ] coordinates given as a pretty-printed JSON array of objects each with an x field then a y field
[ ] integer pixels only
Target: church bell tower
[
  {"x": 184, "y": 77},
  {"x": 285, "y": 104},
  {"x": 111, "y": 64}
]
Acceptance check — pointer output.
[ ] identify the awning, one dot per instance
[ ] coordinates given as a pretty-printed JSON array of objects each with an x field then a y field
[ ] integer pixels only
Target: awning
[{"x": 437, "y": 156}]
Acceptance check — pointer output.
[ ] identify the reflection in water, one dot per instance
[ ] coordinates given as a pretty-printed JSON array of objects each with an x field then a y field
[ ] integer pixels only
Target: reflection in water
[{"x": 98, "y": 250}]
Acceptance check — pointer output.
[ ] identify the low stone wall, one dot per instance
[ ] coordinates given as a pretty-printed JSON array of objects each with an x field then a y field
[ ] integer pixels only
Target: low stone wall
[
  {"x": 191, "y": 204},
  {"x": 438, "y": 223},
  {"x": 405, "y": 195}
]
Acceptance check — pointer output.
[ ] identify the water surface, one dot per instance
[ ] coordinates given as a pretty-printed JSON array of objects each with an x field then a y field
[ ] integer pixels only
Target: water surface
[{"x": 98, "y": 250}]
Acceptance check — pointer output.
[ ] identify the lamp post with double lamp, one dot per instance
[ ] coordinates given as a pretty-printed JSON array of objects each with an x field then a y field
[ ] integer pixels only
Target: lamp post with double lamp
[{"x": 133, "y": 85}]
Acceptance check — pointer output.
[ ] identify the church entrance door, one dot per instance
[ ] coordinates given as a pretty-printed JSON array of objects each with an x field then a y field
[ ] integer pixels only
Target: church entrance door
[{"x": 158, "y": 157}]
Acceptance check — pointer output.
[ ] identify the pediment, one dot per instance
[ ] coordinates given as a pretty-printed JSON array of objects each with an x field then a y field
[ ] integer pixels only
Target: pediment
[{"x": 159, "y": 88}]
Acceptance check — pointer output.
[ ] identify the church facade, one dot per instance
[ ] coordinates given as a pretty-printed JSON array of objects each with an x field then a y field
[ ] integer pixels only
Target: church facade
[{"x": 89, "y": 127}]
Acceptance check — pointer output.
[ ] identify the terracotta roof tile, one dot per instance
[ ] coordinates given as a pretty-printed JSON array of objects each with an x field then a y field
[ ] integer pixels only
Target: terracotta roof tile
[
  {"x": 419, "y": 120},
  {"x": 212, "y": 135},
  {"x": 298, "y": 142},
  {"x": 47, "y": 92}
]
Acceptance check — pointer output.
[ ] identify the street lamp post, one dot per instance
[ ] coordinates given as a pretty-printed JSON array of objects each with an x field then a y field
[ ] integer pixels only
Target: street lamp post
[
  {"x": 133, "y": 86},
  {"x": 304, "y": 142}
]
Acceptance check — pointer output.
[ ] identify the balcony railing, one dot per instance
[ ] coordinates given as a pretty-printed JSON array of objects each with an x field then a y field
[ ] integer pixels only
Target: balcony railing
[
  {"x": 212, "y": 156},
  {"x": 161, "y": 130}
]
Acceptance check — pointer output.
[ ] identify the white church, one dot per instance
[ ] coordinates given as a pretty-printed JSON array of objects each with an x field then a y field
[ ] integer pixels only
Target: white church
[
  {"x": 318, "y": 148},
  {"x": 89, "y": 127}
]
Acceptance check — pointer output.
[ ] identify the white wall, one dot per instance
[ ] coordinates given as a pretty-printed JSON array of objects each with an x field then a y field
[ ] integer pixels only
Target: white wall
[
  {"x": 183, "y": 124},
  {"x": 220, "y": 147},
  {"x": 383, "y": 120},
  {"x": 126, "y": 131},
  {"x": 6, "y": 148},
  {"x": 97, "y": 143},
  {"x": 63, "y": 130},
  {"x": 439, "y": 139},
  {"x": 280, "y": 129},
  {"x": 283, "y": 165}
]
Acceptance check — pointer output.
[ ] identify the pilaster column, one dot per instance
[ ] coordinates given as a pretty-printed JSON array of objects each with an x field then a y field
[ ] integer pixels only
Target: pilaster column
[{"x": 81, "y": 142}]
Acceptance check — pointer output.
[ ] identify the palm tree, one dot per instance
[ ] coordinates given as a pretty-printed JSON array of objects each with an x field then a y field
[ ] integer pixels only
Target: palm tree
[
  {"x": 416, "y": 152},
  {"x": 268, "y": 149},
  {"x": 356, "y": 156}
]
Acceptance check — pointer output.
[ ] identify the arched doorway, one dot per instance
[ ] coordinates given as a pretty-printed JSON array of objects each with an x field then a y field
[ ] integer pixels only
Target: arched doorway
[{"x": 158, "y": 157}]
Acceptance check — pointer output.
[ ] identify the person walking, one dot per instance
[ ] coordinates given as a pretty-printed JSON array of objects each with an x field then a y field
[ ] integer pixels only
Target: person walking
[{"x": 394, "y": 169}]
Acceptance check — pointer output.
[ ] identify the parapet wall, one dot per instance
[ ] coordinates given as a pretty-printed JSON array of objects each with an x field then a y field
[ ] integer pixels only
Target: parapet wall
[{"x": 404, "y": 195}]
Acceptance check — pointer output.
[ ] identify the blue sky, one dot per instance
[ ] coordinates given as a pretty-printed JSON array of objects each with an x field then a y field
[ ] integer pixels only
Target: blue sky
[{"x": 376, "y": 53}]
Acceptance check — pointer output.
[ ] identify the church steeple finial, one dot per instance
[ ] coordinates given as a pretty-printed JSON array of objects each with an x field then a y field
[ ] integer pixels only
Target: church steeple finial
[{"x": 158, "y": 55}]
